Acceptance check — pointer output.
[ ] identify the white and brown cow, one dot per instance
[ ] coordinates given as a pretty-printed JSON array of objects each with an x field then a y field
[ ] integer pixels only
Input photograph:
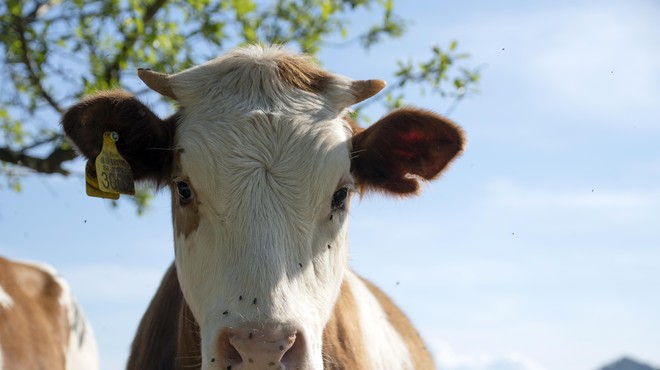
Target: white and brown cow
[
  {"x": 262, "y": 161},
  {"x": 41, "y": 327}
]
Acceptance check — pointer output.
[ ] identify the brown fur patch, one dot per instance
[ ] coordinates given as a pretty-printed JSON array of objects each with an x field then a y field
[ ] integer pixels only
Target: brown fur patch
[
  {"x": 168, "y": 335},
  {"x": 420, "y": 355},
  {"x": 155, "y": 343},
  {"x": 145, "y": 140},
  {"x": 300, "y": 72},
  {"x": 343, "y": 345},
  {"x": 34, "y": 331},
  {"x": 402, "y": 148}
]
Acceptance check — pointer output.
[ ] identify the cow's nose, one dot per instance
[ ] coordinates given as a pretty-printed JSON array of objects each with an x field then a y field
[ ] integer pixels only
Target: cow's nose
[{"x": 264, "y": 348}]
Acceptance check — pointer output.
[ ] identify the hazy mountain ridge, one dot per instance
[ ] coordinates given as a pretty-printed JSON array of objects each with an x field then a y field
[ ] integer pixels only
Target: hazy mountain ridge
[{"x": 627, "y": 363}]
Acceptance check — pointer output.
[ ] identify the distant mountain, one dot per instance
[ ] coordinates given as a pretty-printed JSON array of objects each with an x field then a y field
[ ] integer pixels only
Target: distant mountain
[{"x": 627, "y": 364}]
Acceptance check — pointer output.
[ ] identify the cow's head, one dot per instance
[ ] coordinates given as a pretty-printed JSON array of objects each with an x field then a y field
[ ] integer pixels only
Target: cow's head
[{"x": 262, "y": 161}]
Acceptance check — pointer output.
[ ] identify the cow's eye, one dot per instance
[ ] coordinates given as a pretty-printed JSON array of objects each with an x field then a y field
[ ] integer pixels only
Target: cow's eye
[
  {"x": 339, "y": 199},
  {"x": 184, "y": 191}
]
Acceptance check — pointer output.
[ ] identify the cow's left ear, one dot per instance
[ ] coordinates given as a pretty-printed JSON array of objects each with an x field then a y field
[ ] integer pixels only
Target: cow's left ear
[
  {"x": 402, "y": 148},
  {"x": 145, "y": 141}
]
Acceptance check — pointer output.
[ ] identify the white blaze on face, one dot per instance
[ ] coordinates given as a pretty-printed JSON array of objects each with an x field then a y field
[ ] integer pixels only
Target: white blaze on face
[
  {"x": 264, "y": 195},
  {"x": 252, "y": 245}
]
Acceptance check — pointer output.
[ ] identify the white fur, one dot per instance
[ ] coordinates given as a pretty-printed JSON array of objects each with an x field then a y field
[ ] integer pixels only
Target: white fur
[
  {"x": 387, "y": 350},
  {"x": 263, "y": 160},
  {"x": 81, "y": 352},
  {"x": 5, "y": 300}
]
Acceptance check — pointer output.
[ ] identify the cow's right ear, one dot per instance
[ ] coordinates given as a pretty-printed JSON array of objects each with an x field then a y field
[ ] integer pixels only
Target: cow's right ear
[
  {"x": 145, "y": 141},
  {"x": 403, "y": 148}
]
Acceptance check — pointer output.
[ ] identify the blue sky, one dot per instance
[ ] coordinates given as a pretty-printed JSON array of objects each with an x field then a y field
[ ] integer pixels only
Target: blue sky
[{"x": 538, "y": 250}]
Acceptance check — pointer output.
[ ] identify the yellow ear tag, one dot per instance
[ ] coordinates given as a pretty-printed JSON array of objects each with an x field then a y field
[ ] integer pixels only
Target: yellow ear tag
[
  {"x": 92, "y": 183},
  {"x": 113, "y": 173}
]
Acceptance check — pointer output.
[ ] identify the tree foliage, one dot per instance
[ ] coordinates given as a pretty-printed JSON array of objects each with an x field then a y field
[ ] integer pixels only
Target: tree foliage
[{"x": 55, "y": 51}]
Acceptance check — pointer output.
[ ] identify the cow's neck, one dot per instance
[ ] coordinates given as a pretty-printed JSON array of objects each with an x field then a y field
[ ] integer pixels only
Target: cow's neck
[{"x": 363, "y": 317}]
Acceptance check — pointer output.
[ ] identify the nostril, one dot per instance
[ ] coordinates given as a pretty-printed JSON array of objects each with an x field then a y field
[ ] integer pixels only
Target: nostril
[
  {"x": 227, "y": 350},
  {"x": 287, "y": 345},
  {"x": 292, "y": 355}
]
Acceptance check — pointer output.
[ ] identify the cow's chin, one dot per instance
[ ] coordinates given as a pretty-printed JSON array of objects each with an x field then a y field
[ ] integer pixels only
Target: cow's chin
[{"x": 259, "y": 346}]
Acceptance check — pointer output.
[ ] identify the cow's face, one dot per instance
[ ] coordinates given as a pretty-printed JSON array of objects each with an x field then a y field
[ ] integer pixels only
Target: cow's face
[
  {"x": 262, "y": 162},
  {"x": 260, "y": 207}
]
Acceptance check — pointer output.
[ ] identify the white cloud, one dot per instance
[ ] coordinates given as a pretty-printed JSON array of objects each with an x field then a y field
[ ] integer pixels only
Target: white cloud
[{"x": 449, "y": 359}]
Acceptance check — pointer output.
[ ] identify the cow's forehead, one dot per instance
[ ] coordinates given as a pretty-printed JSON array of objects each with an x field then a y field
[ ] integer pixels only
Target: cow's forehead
[{"x": 283, "y": 149}]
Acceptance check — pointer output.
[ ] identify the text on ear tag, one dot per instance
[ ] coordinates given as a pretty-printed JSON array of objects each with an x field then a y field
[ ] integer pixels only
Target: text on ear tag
[
  {"x": 92, "y": 184},
  {"x": 112, "y": 171}
]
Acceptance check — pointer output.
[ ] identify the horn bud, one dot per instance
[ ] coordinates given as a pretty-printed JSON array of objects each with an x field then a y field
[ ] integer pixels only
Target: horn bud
[
  {"x": 364, "y": 89},
  {"x": 156, "y": 81}
]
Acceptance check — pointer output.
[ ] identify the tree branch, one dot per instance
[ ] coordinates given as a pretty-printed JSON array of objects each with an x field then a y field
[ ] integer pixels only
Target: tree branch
[
  {"x": 131, "y": 39},
  {"x": 49, "y": 165},
  {"x": 34, "y": 78},
  {"x": 42, "y": 141}
]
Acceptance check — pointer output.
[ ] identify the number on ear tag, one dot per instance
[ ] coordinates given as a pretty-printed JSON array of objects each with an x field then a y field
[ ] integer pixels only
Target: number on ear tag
[
  {"x": 113, "y": 173},
  {"x": 92, "y": 184}
]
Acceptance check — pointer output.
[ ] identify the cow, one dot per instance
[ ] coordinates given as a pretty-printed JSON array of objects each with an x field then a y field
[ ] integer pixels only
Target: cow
[
  {"x": 262, "y": 161},
  {"x": 41, "y": 326}
]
